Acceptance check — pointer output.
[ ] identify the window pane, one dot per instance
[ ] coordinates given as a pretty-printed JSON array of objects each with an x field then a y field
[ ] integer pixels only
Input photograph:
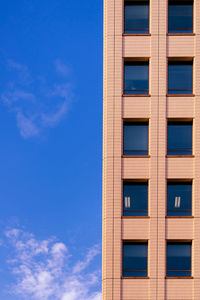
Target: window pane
[
  {"x": 136, "y": 17},
  {"x": 180, "y": 139},
  {"x": 135, "y": 139},
  {"x": 135, "y": 199},
  {"x": 136, "y": 78},
  {"x": 180, "y": 17},
  {"x": 178, "y": 259},
  {"x": 135, "y": 259},
  {"x": 179, "y": 197},
  {"x": 180, "y": 77}
]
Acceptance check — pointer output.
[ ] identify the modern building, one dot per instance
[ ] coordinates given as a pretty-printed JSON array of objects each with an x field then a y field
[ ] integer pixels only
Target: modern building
[{"x": 151, "y": 152}]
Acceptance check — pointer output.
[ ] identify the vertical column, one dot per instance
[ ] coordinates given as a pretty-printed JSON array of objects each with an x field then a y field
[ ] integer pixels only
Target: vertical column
[
  {"x": 153, "y": 124},
  {"x": 108, "y": 146},
  {"x": 118, "y": 72},
  {"x": 162, "y": 138},
  {"x": 112, "y": 140},
  {"x": 196, "y": 145}
]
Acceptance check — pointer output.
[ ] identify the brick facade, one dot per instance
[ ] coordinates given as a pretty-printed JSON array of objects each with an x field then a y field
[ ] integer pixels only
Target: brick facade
[{"x": 157, "y": 168}]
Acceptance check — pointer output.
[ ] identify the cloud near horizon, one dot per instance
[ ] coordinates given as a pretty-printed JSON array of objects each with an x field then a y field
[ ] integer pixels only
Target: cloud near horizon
[
  {"x": 36, "y": 104},
  {"x": 44, "y": 270}
]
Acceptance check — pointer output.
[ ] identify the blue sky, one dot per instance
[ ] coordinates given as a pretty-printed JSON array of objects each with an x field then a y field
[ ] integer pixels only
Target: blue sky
[{"x": 51, "y": 149}]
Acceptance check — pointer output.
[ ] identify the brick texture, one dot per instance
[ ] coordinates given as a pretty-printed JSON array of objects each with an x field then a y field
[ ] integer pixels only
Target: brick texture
[{"x": 157, "y": 168}]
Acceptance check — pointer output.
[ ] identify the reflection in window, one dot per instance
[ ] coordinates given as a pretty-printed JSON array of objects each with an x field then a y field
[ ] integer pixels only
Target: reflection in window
[
  {"x": 136, "y": 17},
  {"x": 135, "y": 198},
  {"x": 134, "y": 259},
  {"x": 179, "y": 138},
  {"x": 180, "y": 18},
  {"x": 179, "y": 259},
  {"x": 136, "y": 138},
  {"x": 136, "y": 78},
  {"x": 179, "y": 196},
  {"x": 180, "y": 77}
]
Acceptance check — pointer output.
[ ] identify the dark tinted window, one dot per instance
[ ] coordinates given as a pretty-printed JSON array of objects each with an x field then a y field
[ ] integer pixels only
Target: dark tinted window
[
  {"x": 180, "y": 77},
  {"x": 135, "y": 259},
  {"x": 179, "y": 196},
  {"x": 135, "y": 199},
  {"x": 136, "y": 17},
  {"x": 180, "y": 138},
  {"x": 178, "y": 259},
  {"x": 136, "y": 138},
  {"x": 180, "y": 18},
  {"x": 136, "y": 78}
]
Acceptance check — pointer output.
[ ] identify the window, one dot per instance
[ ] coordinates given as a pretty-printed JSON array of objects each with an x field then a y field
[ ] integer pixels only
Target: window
[
  {"x": 180, "y": 19},
  {"x": 136, "y": 78},
  {"x": 136, "y": 17},
  {"x": 179, "y": 138},
  {"x": 179, "y": 198},
  {"x": 135, "y": 198},
  {"x": 136, "y": 138},
  {"x": 180, "y": 77},
  {"x": 178, "y": 259},
  {"x": 135, "y": 259}
]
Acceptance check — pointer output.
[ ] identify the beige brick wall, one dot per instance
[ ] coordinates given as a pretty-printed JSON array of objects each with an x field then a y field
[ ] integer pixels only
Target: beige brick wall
[{"x": 157, "y": 168}]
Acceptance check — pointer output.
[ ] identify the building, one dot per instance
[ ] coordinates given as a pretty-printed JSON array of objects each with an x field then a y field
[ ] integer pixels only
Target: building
[{"x": 151, "y": 152}]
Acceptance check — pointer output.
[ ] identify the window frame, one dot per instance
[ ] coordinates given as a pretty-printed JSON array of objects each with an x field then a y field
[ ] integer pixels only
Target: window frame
[
  {"x": 136, "y": 60},
  {"x": 189, "y": 241},
  {"x": 122, "y": 257},
  {"x": 147, "y": 121},
  {"x": 135, "y": 181},
  {"x": 179, "y": 181},
  {"x": 193, "y": 18},
  {"x": 177, "y": 121},
  {"x": 179, "y": 60},
  {"x": 124, "y": 19}
]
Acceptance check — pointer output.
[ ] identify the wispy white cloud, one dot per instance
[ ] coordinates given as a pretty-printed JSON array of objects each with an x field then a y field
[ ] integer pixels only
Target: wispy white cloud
[
  {"x": 36, "y": 105},
  {"x": 82, "y": 265},
  {"x": 61, "y": 90},
  {"x": 44, "y": 271},
  {"x": 14, "y": 65},
  {"x": 51, "y": 119},
  {"x": 27, "y": 125},
  {"x": 10, "y": 97},
  {"x": 61, "y": 68}
]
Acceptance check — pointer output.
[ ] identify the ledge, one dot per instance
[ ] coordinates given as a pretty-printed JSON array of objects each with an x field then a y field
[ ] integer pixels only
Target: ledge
[
  {"x": 135, "y": 217},
  {"x": 172, "y": 156},
  {"x": 189, "y": 277},
  {"x": 180, "y": 95},
  {"x": 124, "y": 95},
  {"x": 136, "y": 34},
  {"x": 135, "y": 277},
  {"x": 181, "y": 34},
  {"x": 180, "y": 240},
  {"x": 135, "y": 241},
  {"x": 136, "y": 156},
  {"x": 179, "y": 217}
]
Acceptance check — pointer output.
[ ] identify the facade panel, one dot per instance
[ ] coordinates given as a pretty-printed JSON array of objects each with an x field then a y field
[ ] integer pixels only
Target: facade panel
[{"x": 166, "y": 100}]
